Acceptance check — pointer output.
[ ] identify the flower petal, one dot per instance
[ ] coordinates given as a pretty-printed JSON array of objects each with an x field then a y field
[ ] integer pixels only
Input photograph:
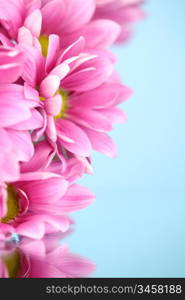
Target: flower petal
[
  {"x": 49, "y": 86},
  {"x": 89, "y": 75},
  {"x": 33, "y": 22},
  {"x": 24, "y": 149},
  {"x": 101, "y": 33},
  {"x": 73, "y": 138},
  {"x": 90, "y": 118},
  {"x": 101, "y": 142}
]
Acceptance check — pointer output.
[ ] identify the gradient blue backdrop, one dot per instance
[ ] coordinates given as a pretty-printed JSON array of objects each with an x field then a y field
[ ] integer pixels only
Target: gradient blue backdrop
[{"x": 136, "y": 226}]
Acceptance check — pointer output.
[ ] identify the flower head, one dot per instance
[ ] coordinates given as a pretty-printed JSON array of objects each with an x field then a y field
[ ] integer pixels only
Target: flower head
[{"x": 38, "y": 202}]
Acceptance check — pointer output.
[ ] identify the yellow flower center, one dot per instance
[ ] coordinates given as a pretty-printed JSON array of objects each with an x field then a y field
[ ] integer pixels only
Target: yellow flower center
[
  {"x": 44, "y": 42},
  {"x": 12, "y": 263},
  {"x": 12, "y": 205}
]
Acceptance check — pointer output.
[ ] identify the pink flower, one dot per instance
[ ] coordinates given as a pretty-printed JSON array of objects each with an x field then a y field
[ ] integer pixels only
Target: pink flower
[
  {"x": 29, "y": 17},
  {"x": 72, "y": 19},
  {"x": 17, "y": 116},
  {"x": 68, "y": 19},
  {"x": 45, "y": 258},
  {"x": 66, "y": 80},
  {"x": 59, "y": 97},
  {"x": 38, "y": 202},
  {"x": 123, "y": 12}
]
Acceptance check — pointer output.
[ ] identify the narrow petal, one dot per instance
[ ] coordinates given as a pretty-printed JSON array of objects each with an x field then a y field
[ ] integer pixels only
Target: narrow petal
[
  {"x": 53, "y": 13},
  {"x": 73, "y": 138},
  {"x": 77, "y": 197},
  {"x": 101, "y": 33},
  {"x": 101, "y": 142},
  {"x": 78, "y": 13},
  {"x": 41, "y": 158},
  {"x": 115, "y": 115},
  {"x": 34, "y": 122},
  {"x": 97, "y": 71},
  {"x": 99, "y": 98},
  {"x": 11, "y": 64},
  {"x": 9, "y": 167},
  {"x": 24, "y": 149},
  {"x": 53, "y": 49},
  {"x": 53, "y": 105},
  {"x": 33, "y": 22},
  {"x": 48, "y": 191},
  {"x": 31, "y": 229},
  {"x": 51, "y": 130},
  {"x": 25, "y": 36},
  {"x": 61, "y": 70},
  {"x": 49, "y": 86},
  {"x": 90, "y": 118},
  {"x": 13, "y": 106},
  {"x": 74, "y": 50}
]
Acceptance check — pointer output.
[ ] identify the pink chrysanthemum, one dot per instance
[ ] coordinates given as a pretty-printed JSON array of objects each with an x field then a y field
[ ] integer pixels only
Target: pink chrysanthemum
[
  {"x": 38, "y": 202},
  {"x": 78, "y": 93},
  {"x": 24, "y": 20}
]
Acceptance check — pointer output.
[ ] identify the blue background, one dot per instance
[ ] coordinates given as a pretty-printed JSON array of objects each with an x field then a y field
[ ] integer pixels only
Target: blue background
[{"x": 136, "y": 226}]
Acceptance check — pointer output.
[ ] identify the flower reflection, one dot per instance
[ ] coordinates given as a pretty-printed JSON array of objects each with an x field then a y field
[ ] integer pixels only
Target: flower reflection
[{"x": 47, "y": 258}]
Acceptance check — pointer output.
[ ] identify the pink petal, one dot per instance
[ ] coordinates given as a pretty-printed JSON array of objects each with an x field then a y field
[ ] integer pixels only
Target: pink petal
[
  {"x": 32, "y": 5},
  {"x": 11, "y": 13},
  {"x": 33, "y": 22},
  {"x": 73, "y": 138},
  {"x": 32, "y": 95},
  {"x": 101, "y": 142},
  {"x": 11, "y": 64},
  {"x": 57, "y": 223},
  {"x": 75, "y": 169},
  {"x": 77, "y": 197},
  {"x": 25, "y": 36},
  {"x": 75, "y": 266},
  {"x": 9, "y": 167},
  {"x": 78, "y": 13},
  {"x": 101, "y": 33},
  {"x": 53, "y": 105},
  {"x": 99, "y": 98},
  {"x": 90, "y": 118},
  {"x": 74, "y": 50},
  {"x": 61, "y": 70},
  {"x": 66, "y": 16},
  {"x": 41, "y": 158},
  {"x": 41, "y": 192},
  {"x": 53, "y": 13},
  {"x": 33, "y": 64},
  {"x": 13, "y": 106},
  {"x": 53, "y": 49},
  {"x": 24, "y": 149},
  {"x": 49, "y": 86},
  {"x": 32, "y": 229},
  {"x": 115, "y": 115},
  {"x": 51, "y": 131},
  {"x": 89, "y": 75},
  {"x": 39, "y": 175},
  {"x": 34, "y": 122}
]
